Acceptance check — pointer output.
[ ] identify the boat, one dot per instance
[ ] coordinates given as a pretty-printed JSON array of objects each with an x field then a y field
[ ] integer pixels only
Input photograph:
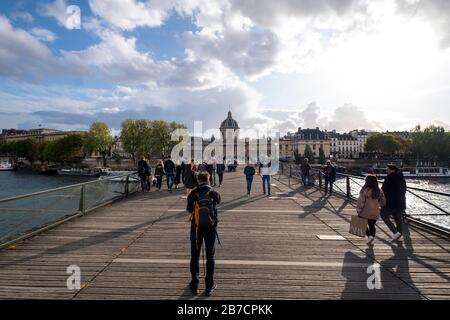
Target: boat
[
  {"x": 119, "y": 176},
  {"x": 49, "y": 170},
  {"x": 80, "y": 172},
  {"x": 7, "y": 166},
  {"x": 420, "y": 171}
]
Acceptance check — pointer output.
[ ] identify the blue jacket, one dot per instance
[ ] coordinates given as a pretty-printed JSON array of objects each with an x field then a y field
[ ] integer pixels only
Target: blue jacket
[{"x": 169, "y": 167}]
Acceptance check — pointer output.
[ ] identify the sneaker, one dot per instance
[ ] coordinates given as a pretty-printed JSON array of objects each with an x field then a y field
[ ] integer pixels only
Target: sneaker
[
  {"x": 248, "y": 195},
  {"x": 396, "y": 236},
  {"x": 208, "y": 292},
  {"x": 370, "y": 240},
  {"x": 194, "y": 288}
]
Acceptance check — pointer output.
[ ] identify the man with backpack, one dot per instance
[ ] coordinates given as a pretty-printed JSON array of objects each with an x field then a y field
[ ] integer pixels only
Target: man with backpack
[
  {"x": 170, "y": 170},
  {"x": 202, "y": 204}
]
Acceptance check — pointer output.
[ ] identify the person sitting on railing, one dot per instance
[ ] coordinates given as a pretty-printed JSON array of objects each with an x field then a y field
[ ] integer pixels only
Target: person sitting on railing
[
  {"x": 394, "y": 187},
  {"x": 329, "y": 172}
]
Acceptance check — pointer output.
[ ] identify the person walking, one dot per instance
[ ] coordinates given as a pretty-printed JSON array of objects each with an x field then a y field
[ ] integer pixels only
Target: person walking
[
  {"x": 183, "y": 171},
  {"x": 264, "y": 172},
  {"x": 177, "y": 179},
  {"x": 394, "y": 188},
  {"x": 305, "y": 168},
  {"x": 190, "y": 180},
  {"x": 202, "y": 204},
  {"x": 214, "y": 170},
  {"x": 209, "y": 169},
  {"x": 370, "y": 199},
  {"x": 144, "y": 174},
  {"x": 329, "y": 172},
  {"x": 220, "y": 168},
  {"x": 170, "y": 170},
  {"x": 193, "y": 165},
  {"x": 159, "y": 174},
  {"x": 249, "y": 172}
]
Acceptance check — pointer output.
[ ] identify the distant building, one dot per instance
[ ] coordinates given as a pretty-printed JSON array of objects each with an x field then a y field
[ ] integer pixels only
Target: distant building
[
  {"x": 293, "y": 143},
  {"x": 41, "y": 134},
  {"x": 344, "y": 145}
]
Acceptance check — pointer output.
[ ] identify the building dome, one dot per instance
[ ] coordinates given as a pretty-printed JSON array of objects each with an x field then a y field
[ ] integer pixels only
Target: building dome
[{"x": 229, "y": 123}]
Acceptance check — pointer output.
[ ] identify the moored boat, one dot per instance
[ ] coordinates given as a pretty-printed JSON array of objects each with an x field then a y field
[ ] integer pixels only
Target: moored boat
[{"x": 80, "y": 172}]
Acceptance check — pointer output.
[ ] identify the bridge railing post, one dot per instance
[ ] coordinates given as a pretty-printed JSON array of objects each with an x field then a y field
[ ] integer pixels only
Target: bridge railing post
[
  {"x": 320, "y": 179},
  {"x": 349, "y": 194},
  {"x": 127, "y": 186},
  {"x": 83, "y": 199}
]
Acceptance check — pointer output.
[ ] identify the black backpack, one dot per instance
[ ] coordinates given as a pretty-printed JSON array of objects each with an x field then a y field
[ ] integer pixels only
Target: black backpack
[{"x": 204, "y": 210}]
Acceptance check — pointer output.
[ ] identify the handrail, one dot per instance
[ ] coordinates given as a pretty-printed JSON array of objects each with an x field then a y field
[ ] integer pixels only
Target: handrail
[
  {"x": 63, "y": 188},
  {"x": 348, "y": 194}
]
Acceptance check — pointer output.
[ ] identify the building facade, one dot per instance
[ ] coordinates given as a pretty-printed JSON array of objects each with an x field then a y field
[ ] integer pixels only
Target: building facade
[
  {"x": 295, "y": 143},
  {"x": 41, "y": 134}
]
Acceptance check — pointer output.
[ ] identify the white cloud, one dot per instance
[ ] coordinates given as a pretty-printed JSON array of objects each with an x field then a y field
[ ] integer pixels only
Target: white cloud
[
  {"x": 23, "y": 56},
  {"x": 68, "y": 16},
  {"x": 43, "y": 34},
  {"x": 129, "y": 14},
  {"x": 25, "y": 16}
]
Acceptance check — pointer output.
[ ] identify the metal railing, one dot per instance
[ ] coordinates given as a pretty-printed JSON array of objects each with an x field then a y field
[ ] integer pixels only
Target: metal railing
[
  {"x": 26, "y": 215},
  {"x": 428, "y": 207}
]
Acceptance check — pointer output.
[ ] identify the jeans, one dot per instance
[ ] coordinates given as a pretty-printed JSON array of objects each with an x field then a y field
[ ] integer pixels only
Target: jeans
[
  {"x": 249, "y": 183},
  {"x": 386, "y": 214},
  {"x": 170, "y": 179},
  {"x": 220, "y": 174},
  {"x": 145, "y": 182},
  {"x": 328, "y": 182},
  {"x": 371, "y": 230},
  {"x": 305, "y": 179},
  {"x": 159, "y": 182},
  {"x": 266, "y": 179},
  {"x": 208, "y": 235}
]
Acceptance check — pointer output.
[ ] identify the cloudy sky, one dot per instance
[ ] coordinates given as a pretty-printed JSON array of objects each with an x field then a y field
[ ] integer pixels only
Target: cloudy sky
[{"x": 279, "y": 65}]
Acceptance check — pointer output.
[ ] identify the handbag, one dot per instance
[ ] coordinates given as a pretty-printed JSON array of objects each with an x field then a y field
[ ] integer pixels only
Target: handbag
[{"x": 358, "y": 226}]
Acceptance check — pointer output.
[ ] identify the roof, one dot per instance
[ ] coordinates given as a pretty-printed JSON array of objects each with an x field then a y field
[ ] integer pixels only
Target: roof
[{"x": 229, "y": 122}]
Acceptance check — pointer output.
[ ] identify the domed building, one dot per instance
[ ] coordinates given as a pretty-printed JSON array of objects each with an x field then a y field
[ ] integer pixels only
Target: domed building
[
  {"x": 229, "y": 124},
  {"x": 229, "y": 128}
]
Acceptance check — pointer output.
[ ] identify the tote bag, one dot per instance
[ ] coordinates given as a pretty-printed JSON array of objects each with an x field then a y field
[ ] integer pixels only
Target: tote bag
[{"x": 358, "y": 226}]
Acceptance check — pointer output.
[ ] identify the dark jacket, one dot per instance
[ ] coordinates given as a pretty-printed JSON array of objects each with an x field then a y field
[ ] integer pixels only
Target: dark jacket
[
  {"x": 330, "y": 173},
  {"x": 220, "y": 168},
  {"x": 201, "y": 167},
  {"x": 159, "y": 171},
  {"x": 209, "y": 168},
  {"x": 394, "y": 188},
  {"x": 143, "y": 168},
  {"x": 305, "y": 168},
  {"x": 190, "y": 180},
  {"x": 169, "y": 167},
  {"x": 192, "y": 198},
  {"x": 249, "y": 171},
  {"x": 178, "y": 174}
]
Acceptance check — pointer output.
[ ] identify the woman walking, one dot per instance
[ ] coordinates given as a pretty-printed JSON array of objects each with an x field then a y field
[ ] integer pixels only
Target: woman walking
[
  {"x": 190, "y": 179},
  {"x": 178, "y": 170},
  {"x": 159, "y": 173},
  {"x": 220, "y": 169},
  {"x": 370, "y": 199}
]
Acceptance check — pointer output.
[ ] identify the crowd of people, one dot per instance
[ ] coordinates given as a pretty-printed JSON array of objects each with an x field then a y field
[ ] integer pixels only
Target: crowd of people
[{"x": 373, "y": 202}]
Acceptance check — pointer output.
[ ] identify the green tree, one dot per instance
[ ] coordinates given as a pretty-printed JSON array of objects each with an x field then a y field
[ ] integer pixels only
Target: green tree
[
  {"x": 385, "y": 143},
  {"x": 432, "y": 143},
  {"x": 66, "y": 150},
  {"x": 161, "y": 137},
  {"x": 30, "y": 149},
  {"x": 309, "y": 154},
  {"x": 135, "y": 137},
  {"x": 99, "y": 139},
  {"x": 321, "y": 156}
]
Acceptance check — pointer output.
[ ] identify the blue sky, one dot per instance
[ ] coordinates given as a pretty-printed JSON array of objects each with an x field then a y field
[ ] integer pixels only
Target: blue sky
[{"x": 382, "y": 64}]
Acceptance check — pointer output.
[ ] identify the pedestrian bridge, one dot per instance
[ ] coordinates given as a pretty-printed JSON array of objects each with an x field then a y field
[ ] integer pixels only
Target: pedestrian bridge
[{"x": 293, "y": 245}]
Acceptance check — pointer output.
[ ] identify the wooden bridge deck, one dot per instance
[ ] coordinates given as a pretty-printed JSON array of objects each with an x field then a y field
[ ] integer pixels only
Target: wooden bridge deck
[{"x": 138, "y": 248}]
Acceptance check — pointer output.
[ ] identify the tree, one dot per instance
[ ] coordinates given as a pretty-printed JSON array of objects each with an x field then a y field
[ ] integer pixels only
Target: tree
[
  {"x": 135, "y": 137},
  {"x": 309, "y": 154},
  {"x": 99, "y": 139},
  {"x": 146, "y": 137},
  {"x": 432, "y": 143},
  {"x": 321, "y": 156},
  {"x": 65, "y": 150},
  {"x": 386, "y": 143},
  {"x": 30, "y": 149},
  {"x": 161, "y": 137}
]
